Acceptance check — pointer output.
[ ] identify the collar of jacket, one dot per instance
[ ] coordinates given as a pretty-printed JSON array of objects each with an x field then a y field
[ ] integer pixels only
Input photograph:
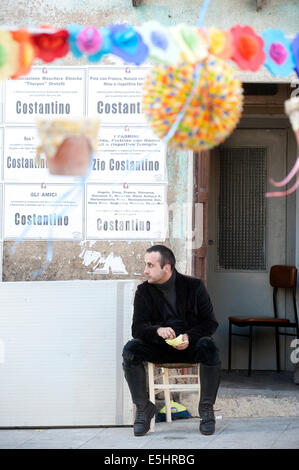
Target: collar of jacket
[{"x": 181, "y": 289}]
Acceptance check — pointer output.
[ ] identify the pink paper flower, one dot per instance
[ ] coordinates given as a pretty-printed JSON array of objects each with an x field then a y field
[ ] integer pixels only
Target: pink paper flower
[{"x": 89, "y": 40}]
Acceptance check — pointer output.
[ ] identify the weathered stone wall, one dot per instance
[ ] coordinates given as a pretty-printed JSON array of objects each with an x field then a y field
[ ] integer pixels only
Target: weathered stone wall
[{"x": 114, "y": 260}]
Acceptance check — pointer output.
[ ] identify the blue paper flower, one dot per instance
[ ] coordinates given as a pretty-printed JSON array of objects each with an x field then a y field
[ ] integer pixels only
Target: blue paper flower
[
  {"x": 295, "y": 49},
  {"x": 128, "y": 44},
  {"x": 74, "y": 30},
  {"x": 105, "y": 47},
  {"x": 279, "y": 57}
]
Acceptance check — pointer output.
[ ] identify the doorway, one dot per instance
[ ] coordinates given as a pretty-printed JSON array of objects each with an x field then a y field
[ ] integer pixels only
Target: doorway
[{"x": 248, "y": 233}]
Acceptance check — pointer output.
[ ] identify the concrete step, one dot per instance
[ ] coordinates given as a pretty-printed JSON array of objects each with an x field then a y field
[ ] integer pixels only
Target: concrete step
[
  {"x": 264, "y": 394},
  {"x": 241, "y": 403}
]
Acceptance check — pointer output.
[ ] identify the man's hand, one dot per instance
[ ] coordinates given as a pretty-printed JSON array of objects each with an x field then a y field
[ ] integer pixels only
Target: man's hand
[
  {"x": 166, "y": 332},
  {"x": 185, "y": 344}
]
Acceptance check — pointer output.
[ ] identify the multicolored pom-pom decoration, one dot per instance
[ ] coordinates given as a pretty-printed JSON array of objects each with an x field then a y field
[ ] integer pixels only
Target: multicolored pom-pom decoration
[{"x": 214, "y": 110}]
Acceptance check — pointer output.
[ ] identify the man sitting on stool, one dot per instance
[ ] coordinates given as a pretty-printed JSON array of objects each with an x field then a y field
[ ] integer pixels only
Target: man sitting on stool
[{"x": 166, "y": 305}]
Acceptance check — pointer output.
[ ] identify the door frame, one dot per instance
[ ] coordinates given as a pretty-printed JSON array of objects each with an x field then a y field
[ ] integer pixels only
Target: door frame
[{"x": 201, "y": 171}]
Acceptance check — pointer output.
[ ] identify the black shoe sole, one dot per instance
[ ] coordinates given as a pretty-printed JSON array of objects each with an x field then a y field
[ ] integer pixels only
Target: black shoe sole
[{"x": 207, "y": 433}]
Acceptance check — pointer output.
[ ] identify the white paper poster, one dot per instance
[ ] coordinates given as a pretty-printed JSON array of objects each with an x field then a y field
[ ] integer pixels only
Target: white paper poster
[
  {"x": 126, "y": 212},
  {"x": 1, "y": 151},
  {"x": 115, "y": 94},
  {"x": 19, "y": 162},
  {"x": 1, "y": 101},
  {"x": 127, "y": 185},
  {"x": 129, "y": 154},
  {"x": 47, "y": 92},
  {"x": 42, "y": 211}
]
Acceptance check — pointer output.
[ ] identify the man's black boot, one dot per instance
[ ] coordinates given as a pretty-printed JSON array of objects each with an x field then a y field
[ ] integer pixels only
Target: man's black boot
[
  {"x": 144, "y": 415},
  {"x": 209, "y": 383},
  {"x": 207, "y": 419},
  {"x": 145, "y": 409}
]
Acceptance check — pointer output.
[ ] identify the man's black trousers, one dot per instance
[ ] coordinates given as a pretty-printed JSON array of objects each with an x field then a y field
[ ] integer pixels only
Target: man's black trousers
[{"x": 203, "y": 351}]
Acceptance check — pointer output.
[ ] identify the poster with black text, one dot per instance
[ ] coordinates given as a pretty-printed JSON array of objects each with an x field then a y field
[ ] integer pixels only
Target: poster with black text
[
  {"x": 115, "y": 94},
  {"x": 43, "y": 211},
  {"x": 45, "y": 93},
  {"x": 129, "y": 154},
  {"x": 126, "y": 211}
]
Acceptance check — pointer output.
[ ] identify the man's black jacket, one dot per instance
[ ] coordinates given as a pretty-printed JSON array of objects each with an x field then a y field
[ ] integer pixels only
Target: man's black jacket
[{"x": 193, "y": 305}]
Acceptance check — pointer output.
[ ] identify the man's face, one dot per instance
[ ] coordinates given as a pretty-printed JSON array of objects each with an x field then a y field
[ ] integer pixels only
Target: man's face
[{"x": 153, "y": 271}]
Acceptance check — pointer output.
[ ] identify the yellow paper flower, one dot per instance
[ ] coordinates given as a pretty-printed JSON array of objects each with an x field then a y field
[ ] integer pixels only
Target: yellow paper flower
[
  {"x": 221, "y": 44},
  {"x": 9, "y": 50}
]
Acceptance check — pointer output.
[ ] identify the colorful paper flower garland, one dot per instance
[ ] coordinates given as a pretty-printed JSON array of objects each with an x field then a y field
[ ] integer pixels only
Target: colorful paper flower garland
[
  {"x": 216, "y": 105},
  {"x": 153, "y": 41}
]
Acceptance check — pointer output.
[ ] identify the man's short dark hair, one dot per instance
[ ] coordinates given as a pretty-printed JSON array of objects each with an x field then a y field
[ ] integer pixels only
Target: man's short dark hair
[{"x": 167, "y": 256}]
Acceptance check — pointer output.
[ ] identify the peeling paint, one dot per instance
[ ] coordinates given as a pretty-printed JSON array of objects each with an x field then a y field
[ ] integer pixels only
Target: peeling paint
[
  {"x": 90, "y": 257},
  {"x": 94, "y": 259},
  {"x": 91, "y": 243},
  {"x": 112, "y": 263}
]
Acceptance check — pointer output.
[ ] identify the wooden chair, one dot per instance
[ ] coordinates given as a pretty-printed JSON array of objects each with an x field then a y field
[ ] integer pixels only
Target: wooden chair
[
  {"x": 167, "y": 387},
  {"x": 280, "y": 277}
]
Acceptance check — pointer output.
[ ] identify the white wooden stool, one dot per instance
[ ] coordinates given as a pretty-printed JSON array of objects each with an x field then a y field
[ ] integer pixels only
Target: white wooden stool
[{"x": 167, "y": 387}]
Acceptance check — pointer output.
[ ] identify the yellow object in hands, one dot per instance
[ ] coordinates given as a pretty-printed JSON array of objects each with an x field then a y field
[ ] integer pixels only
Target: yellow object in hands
[{"x": 176, "y": 341}]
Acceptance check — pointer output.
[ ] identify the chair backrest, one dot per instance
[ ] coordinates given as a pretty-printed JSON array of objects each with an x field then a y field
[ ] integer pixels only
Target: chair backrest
[{"x": 282, "y": 276}]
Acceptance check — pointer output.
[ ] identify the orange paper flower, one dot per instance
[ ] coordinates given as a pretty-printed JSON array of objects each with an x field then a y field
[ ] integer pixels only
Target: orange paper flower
[
  {"x": 51, "y": 46},
  {"x": 26, "y": 52},
  {"x": 249, "y": 53}
]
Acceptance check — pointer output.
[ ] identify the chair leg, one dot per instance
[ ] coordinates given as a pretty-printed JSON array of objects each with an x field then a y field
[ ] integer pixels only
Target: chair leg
[
  {"x": 229, "y": 346},
  {"x": 198, "y": 380},
  {"x": 167, "y": 395},
  {"x": 151, "y": 382},
  {"x": 277, "y": 350},
  {"x": 250, "y": 351}
]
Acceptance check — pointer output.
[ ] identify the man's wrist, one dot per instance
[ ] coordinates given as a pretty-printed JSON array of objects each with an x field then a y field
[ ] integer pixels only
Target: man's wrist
[{"x": 188, "y": 337}]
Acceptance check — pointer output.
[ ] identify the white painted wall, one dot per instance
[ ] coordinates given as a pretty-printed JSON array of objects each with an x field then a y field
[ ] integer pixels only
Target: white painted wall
[{"x": 61, "y": 353}]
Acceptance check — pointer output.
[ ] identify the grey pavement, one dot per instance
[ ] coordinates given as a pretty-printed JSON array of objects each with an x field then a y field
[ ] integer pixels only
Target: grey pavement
[{"x": 231, "y": 433}]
